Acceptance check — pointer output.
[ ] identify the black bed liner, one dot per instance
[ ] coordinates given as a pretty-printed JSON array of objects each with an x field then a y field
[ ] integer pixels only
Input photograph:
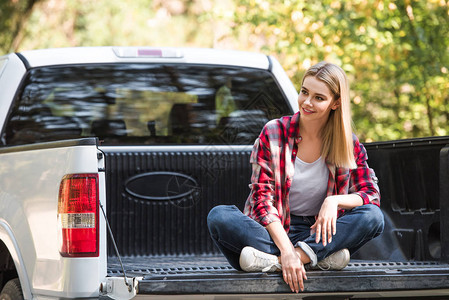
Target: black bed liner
[
  {"x": 411, "y": 257},
  {"x": 171, "y": 275}
]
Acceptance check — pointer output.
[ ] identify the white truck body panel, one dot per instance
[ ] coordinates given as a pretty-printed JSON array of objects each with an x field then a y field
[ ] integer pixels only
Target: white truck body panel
[
  {"x": 31, "y": 213},
  {"x": 85, "y": 55}
]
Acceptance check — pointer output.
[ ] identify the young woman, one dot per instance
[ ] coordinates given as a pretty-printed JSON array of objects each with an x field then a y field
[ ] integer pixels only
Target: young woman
[{"x": 313, "y": 199}]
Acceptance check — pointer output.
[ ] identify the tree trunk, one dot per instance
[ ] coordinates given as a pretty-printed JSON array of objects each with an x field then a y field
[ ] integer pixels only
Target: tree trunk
[{"x": 22, "y": 18}]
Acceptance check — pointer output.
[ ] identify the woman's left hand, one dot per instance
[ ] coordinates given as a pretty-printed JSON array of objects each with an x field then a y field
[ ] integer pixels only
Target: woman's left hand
[{"x": 326, "y": 224}]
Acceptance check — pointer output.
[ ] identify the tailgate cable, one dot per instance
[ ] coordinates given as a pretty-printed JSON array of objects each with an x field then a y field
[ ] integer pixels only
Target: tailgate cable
[{"x": 116, "y": 250}]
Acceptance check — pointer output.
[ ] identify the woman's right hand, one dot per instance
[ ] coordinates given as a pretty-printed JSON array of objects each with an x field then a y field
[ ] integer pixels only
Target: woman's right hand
[
  {"x": 292, "y": 267},
  {"x": 293, "y": 270}
]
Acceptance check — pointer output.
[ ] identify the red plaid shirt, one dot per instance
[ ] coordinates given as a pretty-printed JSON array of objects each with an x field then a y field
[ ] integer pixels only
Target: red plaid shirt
[{"x": 273, "y": 163}]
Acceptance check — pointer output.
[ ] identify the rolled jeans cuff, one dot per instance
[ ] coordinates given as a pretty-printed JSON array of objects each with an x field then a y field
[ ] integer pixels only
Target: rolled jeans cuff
[{"x": 307, "y": 250}]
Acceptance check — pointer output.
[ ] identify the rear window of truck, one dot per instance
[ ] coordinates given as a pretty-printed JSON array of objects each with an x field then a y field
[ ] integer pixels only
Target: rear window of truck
[{"x": 144, "y": 104}]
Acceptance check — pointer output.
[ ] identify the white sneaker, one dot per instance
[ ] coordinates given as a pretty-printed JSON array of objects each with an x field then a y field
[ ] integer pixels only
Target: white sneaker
[
  {"x": 336, "y": 261},
  {"x": 253, "y": 260}
]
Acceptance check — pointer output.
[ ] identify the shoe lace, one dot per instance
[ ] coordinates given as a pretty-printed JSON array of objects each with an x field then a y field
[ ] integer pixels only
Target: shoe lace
[
  {"x": 264, "y": 261},
  {"x": 324, "y": 265},
  {"x": 272, "y": 268},
  {"x": 329, "y": 262}
]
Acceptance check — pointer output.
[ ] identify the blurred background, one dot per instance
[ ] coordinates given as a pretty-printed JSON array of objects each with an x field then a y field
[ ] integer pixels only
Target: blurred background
[{"x": 396, "y": 53}]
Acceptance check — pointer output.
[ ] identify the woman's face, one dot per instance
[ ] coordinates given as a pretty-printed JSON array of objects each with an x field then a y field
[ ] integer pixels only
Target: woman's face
[{"x": 316, "y": 100}]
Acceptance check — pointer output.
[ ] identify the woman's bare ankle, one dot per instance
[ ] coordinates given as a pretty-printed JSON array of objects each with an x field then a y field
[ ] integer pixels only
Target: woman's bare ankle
[{"x": 304, "y": 257}]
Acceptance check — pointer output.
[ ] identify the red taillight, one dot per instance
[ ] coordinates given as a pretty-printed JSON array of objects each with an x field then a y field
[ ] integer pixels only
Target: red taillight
[{"x": 78, "y": 215}]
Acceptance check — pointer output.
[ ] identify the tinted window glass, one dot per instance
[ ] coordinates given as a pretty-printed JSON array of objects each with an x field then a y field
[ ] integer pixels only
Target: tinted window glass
[{"x": 145, "y": 104}]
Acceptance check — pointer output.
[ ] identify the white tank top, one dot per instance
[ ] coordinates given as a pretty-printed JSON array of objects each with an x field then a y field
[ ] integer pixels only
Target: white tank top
[{"x": 309, "y": 187}]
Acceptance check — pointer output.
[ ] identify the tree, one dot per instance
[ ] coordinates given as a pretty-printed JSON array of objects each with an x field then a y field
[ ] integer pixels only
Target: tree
[
  {"x": 69, "y": 23},
  {"x": 13, "y": 17},
  {"x": 395, "y": 53}
]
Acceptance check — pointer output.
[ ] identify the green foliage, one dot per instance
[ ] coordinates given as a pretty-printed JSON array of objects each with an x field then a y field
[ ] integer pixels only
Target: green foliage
[
  {"x": 396, "y": 53},
  {"x": 13, "y": 16},
  {"x": 69, "y": 23}
]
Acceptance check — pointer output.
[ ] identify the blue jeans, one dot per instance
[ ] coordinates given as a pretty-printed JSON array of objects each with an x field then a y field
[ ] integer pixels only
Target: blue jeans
[{"x": 231, "y": 231}]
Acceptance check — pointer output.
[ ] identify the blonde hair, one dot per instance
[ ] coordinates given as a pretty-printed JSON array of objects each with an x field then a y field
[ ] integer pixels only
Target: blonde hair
[{"x": 338, "y": 145}]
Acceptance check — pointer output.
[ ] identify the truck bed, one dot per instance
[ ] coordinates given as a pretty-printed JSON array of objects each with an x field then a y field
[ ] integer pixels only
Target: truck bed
[
  {"x": 211, "y": 274},
  {"x": 166, "y": 244}
]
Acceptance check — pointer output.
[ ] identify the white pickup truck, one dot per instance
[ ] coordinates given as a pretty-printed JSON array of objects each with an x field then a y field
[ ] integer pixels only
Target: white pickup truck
[{"x": 151, "y": 139}]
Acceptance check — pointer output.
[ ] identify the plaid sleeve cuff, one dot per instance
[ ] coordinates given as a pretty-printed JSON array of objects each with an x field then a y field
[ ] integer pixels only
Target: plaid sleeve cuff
[
  {"x": 268, "y": 219},
  {"x": 369, "y": 199}
]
